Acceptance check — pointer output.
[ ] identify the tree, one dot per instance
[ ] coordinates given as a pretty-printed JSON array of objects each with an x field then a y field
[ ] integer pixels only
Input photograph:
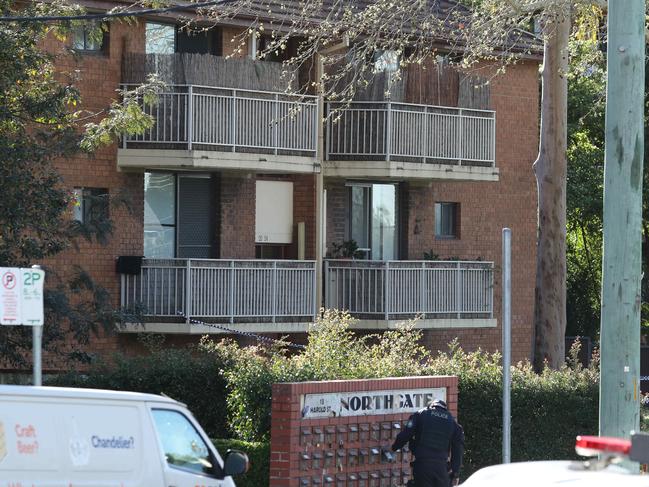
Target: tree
[
  {"x": 38, "y": 124},
  {"x": 586, "y": 103}
]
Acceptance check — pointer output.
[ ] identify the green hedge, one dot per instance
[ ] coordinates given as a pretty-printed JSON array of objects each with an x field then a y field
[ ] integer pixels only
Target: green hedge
[
  {"x": 548, "y": 410},
  {"x": 187, "y": 375},
  {"x": 259, "y": 456}
]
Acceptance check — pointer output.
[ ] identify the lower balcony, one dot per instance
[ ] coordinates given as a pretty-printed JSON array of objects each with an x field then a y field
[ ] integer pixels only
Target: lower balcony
[
  {"x": 442, "y": 294},
  {"x": 172, "y": 295},
  {"x": 279, "y": 296}
]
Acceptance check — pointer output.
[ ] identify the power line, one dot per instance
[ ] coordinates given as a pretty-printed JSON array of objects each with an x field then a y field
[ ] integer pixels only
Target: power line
[
  {"x": 260, "y": 338},
  {"x": 114, "y": 15}
]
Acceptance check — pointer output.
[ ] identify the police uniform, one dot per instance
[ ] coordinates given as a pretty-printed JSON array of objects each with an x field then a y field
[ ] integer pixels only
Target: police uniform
[{"x": 432, "y": 434}]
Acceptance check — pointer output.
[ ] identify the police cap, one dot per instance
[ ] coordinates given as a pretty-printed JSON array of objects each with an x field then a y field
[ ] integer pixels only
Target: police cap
[{"x": 438, "y": 403}]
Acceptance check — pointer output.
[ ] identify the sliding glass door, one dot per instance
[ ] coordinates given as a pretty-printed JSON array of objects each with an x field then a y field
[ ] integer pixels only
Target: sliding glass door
[{"x": 373, "y": 220}]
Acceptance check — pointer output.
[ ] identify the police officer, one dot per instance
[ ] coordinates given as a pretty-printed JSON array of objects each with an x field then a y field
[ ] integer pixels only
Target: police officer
[{"x": 432, "y": 434}]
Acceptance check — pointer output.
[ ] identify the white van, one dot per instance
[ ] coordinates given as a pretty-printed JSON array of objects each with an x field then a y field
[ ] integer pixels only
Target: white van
[{"x": 52, "y": 436}]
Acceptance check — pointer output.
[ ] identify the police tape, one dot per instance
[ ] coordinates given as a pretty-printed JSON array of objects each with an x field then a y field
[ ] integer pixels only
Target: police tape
[{"x": 260, "y": 338}]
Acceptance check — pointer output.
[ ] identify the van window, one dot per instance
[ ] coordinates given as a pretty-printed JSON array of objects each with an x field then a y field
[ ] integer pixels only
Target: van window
[{"x": 182, "y": 444}]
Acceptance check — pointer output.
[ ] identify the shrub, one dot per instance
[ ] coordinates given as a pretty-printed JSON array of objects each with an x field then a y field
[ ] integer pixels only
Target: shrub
[
  {"x": 548, "y": 410},
  {"x": 187, "y": 375},
  {"x": 259, "y": 456},
  {"x": 333, "y": 352}
]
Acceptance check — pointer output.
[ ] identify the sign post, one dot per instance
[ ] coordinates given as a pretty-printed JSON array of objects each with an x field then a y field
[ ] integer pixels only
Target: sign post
[{"x": 21, "y": 303}]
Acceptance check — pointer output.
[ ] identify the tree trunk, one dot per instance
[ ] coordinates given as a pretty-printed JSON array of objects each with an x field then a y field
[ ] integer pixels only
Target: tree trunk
[{"x": 550, "y": 168}]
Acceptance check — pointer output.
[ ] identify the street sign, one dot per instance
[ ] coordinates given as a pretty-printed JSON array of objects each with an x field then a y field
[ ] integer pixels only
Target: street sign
[
  {"x": 10, "y": 296},
  {"x": 32, "y": 297},
  {"x": 21, "y": 296}
]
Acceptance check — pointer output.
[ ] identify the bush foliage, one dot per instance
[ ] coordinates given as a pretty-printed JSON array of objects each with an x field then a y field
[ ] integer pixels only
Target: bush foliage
[
  {"x": 187, "y": 375},
  {"x": 259, "y": 456},
  {"x": 333, "y": 352},
  {"x": 548, "y": 409}
]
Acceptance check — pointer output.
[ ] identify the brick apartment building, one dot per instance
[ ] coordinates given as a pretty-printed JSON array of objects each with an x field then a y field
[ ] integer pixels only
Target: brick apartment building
[{"x": 240, "y": 204}]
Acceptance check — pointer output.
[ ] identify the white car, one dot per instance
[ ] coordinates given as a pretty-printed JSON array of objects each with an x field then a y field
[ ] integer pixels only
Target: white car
[{"x": 590, "y": 473}]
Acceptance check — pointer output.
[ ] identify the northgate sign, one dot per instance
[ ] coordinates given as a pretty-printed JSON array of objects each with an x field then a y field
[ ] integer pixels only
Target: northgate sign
[{"x": 375, "y": 402}]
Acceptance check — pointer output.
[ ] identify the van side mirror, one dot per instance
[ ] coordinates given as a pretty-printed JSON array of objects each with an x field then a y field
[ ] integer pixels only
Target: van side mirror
[{"x": 236, "y": 463}]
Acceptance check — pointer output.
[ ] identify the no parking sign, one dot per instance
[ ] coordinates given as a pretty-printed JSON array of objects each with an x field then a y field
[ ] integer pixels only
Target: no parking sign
[{"x": 21, "y": 296}]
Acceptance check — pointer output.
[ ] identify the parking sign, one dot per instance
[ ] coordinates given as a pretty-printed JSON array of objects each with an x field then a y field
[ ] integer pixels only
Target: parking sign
[
  {"x": 32, "y": 297},
  {"x": 10, "y": 299},
  {"x": 21, "y": 296}
]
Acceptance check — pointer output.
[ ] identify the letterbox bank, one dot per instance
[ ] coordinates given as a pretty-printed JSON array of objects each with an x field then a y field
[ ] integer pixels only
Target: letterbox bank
[{"x": 330, "y": 434}]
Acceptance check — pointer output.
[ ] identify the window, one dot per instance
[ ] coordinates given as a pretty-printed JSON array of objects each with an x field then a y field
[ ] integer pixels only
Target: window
[
  {"x": 91, "y": 205},
  {"x": 263, "y": 48},
  {"x": 183, "y": 446},
  {"x": 386, "y": 61},
  {"x": 89, "y": 39},
  {"x": 160, "y": 38},
  {"x": 447, "y": 219},
  {"x": 373, "y": 220},
  {"x": 178, "y": 216},
  {"x": 159, "y": 215}
]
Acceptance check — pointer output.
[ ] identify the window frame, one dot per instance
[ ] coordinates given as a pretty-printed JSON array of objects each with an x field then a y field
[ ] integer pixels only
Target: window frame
[
  {"x": 161, "y": 24},
  {"x": 368, "y": 197},
  {"x": 84, "y": 31},
  {"x": 84, "y": 206},
  {"x": 439, "y": 220},
  {"x": 173, "y": 225},
  {"x": 217, "y": 461}
]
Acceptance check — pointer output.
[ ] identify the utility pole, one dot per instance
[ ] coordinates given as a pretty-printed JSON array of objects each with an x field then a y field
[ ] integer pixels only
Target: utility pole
[{"x": 619, "y": 402}]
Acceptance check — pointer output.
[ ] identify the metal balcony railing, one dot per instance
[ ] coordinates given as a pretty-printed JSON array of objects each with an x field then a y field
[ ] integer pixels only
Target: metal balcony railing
[
  {"x": 210, "y": 118},
  {"x": 408, "y": 132},
  {"x": 225, "y": 290},
  {"x": 405, "y": 289}
]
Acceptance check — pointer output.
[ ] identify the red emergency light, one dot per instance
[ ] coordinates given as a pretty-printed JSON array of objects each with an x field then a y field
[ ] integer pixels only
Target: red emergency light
[{"x": 589, "y": 446}]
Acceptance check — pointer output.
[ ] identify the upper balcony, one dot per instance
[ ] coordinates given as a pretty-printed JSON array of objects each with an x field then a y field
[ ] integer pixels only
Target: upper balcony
[
  {"x": 386, "y": 139},
  {"x": 207, "y": 127}
]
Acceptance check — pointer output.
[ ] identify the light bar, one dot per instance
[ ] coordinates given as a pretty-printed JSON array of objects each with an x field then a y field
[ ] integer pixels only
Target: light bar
[{"x": 589, "y": 446}]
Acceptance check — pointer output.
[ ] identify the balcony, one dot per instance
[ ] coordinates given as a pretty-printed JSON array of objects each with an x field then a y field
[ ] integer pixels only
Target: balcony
[
  {"x": 409, "y": 141},
  {"x": 205, "y": 127},
  {"x": 253, "y": 295},
  {"x": 279, "y": 295},
  {"x": 441, "y": 293}
]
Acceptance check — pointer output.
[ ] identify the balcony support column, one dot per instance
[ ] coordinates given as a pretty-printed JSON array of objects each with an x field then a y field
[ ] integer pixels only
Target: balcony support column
[
  {"x": 190, "y": 117},
  {"x": 319, "y": 190},
  {"x": 320, "y": 237}
]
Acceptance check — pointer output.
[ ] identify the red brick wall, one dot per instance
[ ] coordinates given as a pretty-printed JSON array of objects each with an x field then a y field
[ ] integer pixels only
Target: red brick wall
[
  {"x": 237, "y": 202},
  {"x": 337, "y": 212},
  {"x": 304, "y": 210},
  {"x": 232, "y": 43},
  {"x": 237, "y": 217},
  {"x": 295, "y": 441},
  {"x": 488, "y": 207},
  {"x": 99, "y": 76}
]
